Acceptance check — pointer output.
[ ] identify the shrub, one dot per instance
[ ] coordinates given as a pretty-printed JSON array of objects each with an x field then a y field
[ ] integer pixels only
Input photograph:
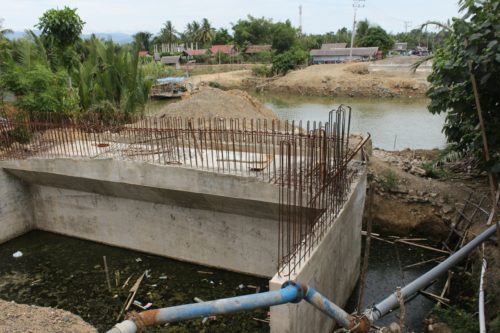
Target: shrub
[
  {"x": 289, "y": 60},
  {"x": 262, "y": 71},
  {"x": 389, "y": 181}
]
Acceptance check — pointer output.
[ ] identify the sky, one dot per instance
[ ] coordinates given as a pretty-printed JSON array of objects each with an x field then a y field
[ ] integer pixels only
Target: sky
[{"x": 319, "y": 16}]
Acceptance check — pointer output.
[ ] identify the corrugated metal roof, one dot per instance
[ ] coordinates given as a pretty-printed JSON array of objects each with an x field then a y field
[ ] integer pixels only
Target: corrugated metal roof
[
  {"x": 329, "y": 46},
  {"x": 226, "y": 49},
  {"x": 198, "y": 52},
  {"x": 170, "y": 59},
  {"x": 258, "y": 49},
  {"x": 356, "y": 51}
]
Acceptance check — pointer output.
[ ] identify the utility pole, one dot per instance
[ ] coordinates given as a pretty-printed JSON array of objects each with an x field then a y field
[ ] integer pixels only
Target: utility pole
[
  {"x": 300, "y": 19},
  {"x": 355, "y": 4},
  {"x": 407, "y": 24}
]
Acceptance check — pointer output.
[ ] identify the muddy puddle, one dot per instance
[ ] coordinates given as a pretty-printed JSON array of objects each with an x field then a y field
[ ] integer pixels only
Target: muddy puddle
[
  {"x": 386, "y": 271},
  {"x": 67, "y": 273}
]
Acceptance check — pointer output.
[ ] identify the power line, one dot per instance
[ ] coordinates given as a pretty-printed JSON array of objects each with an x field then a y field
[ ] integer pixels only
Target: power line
[
  {"x": 300, "y": 19},
  {"x": 407, "y": 24}
]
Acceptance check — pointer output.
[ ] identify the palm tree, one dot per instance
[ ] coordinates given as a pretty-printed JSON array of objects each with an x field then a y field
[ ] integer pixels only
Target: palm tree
[
  {"x": 206, "y": 33},
  {"x": 168, "y": 33}
]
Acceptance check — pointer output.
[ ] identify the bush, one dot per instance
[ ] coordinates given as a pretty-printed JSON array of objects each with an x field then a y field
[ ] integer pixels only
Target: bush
[
  {"x": 262, "y": 71},
  {"x": 289, "y": 60},
  {"x": 214, "y": 84},
  {"x": 389, "y": 181}
]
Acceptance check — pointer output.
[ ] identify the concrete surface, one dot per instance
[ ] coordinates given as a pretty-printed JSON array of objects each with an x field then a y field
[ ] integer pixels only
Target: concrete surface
[
  {"x": 15, "y": 207},
  {"x": 215, "y": 220},
  {"x": 332, "y": 269}
]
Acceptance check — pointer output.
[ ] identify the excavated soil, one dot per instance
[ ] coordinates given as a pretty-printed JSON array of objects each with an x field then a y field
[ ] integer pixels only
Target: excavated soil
[
  {"x": 216, "y": 103},
  {"x": 355, "y": 80},
  {"x": 21, "y": 318}
]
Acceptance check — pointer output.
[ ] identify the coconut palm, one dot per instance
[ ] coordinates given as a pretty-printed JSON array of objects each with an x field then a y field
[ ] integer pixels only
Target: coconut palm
[
  {"x": 206, "y": 33},
  {"x": 168, "y": 33}
]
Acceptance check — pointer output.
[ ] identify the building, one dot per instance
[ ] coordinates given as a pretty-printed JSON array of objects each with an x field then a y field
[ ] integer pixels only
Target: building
[
  {"x": 171, "y": 61},
  {"x": 255, "y": 49},
  {"x": 143, "y": 54},
  {"x": 330, "y": 46},
  {"x": 331, "y": 56},
  {"x": 228, "y": 49},
  {"x": 401, "y": 48},
  {"x": 192, "y": 53}
]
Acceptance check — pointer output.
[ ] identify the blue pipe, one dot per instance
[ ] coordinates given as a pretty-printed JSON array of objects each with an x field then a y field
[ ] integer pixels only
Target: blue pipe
[
  {"x": 289, "y": 293},
  {"x": 331, "y": 309}
]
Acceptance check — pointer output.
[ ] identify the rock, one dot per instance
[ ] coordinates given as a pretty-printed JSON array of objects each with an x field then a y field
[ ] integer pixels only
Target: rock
[
  {"x": 417, "y": 171},
  {"x": 446, "y": 209},
  {"x": 438, "y": 328}
]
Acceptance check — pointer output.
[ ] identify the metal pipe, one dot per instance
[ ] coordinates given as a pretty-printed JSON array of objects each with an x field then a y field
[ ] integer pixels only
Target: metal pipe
[
  {"x": 329, "y": 308},
  {"x": 391, "y": 302},
  {"x": 289, "y": 293}
]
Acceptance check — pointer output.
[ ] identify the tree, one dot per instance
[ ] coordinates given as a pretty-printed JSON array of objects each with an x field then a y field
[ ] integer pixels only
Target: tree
[
  {"x": 362, "y": 28},
  {"x": 222, "y": 36},
  {"x": 376, "y": 36},
  {"x": 253, "y": 31},
  {"x": 143, "y": 39},
  {"x": 284, "y": 62},
  {"x": 472, "y": 40},
  {"x": 62, "y": 26},
  {"x": 284, "y": 36},
  {"x": 168, "y": 34},
  {"x": 206, "y": 33}
]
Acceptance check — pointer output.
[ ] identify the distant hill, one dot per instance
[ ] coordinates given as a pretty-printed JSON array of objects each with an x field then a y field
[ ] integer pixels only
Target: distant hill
[{"x": 117, "y": 37}]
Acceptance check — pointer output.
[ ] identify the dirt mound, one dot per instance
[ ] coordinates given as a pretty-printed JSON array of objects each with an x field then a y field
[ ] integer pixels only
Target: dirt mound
[
  {"x": 21, "y": 318},
  {"x": 211, "y": 103}
]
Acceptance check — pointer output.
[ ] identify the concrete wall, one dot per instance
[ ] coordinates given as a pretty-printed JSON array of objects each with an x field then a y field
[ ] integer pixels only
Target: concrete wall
[
  {"x": 210, "y": 219},
  {"x": 332, "y": 269},
  {"x": 15, "y": 207}
]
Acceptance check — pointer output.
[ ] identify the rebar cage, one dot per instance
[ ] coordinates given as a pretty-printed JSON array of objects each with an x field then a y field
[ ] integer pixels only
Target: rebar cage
[{"x": 308, "y": 161}]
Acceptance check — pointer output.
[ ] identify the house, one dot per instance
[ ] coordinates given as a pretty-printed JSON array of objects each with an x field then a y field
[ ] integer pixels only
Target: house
[
  {"x": 330, "y": 46},
  {"x": 226, "y": 49},
  {"x": 171, "y": 61},
  {"x": 400, "y": 48},
  {"x": 143, "y": 54},
  {"x": 192, "y": 53},
  {"x": 339, "y": 55},
  {"x": 255, "y": 49}
]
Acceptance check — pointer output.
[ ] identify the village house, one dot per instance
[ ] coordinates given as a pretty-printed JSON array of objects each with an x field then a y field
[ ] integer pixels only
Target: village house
[
  {"x": 171, "y": 61},
  {"x": 330, "y": 46},
  {"x": 400, "y": 48},
  {"x": 338, "y": 55},
  {"x": 255, "y": 49}
]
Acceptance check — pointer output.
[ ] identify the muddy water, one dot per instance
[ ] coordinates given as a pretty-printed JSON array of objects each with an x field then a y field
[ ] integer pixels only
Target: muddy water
[
  {"x": 68, "y": 273},
  {"x": 386, "y": 272},
  {"x": 393, "y": 123}
]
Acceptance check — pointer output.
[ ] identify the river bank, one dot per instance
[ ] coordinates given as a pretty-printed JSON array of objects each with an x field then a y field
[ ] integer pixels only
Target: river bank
[{"x": 386, "y": 78}]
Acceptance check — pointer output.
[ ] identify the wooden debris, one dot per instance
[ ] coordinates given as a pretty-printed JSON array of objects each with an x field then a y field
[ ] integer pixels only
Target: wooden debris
[
  {"x": 423, "y": 262},
  {"x": 131, "y": 295},
  {"x": 437, "y": 298},
  {"x": 205, "y": 272},
  {"x": 426, "y": 247}
]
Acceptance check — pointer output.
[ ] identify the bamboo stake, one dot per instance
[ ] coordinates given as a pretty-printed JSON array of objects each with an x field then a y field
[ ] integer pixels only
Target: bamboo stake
[
  {"x": 107, "y": 273},
  {"x": 439, "y": 299},
  {"x": 364, "y": 268},
  {"x": 421, "y": 246},
  {"x": 423, "y": 262},
  {"x": 131, "y": 295},
  {"x": 401, "y": 309}
]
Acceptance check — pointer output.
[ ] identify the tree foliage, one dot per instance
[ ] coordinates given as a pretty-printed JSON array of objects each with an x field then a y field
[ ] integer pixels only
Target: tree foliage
[
  {"x": 284, "y": 36},
  {"x": 289, "y": 60},
  {"x": 63, "y": 26},
  {"x": 473, "y": 40},
  {"x": 376, "y": 36},
  {"x": 253, "y": 31}
]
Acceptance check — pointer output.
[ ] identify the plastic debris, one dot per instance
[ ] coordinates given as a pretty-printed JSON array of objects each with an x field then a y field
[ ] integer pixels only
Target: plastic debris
[
  {"x": 17, "y": 254},
  {"x": 138, "y": 259},
  {"x": 241, "y": 286},
  {"x": 147, "y": 306},
  {"x": 147, "y": 273},
  {"x": 163, "y": 277}
]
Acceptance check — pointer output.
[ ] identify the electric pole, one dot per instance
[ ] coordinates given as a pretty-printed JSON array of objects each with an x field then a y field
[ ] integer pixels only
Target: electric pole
[
  {"x": 300, "y": 19},
  {"x": 407, "y": 24},
  {"x": 355, "y": 4}
]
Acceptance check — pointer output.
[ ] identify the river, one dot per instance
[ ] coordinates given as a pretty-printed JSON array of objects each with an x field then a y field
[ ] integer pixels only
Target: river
[{"x": 394, "y": 124}]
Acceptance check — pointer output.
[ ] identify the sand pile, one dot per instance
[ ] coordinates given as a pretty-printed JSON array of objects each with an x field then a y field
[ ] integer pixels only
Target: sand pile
[
  {"x": 21, "y": 318},
  {"x": 211, "y": 102}
]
